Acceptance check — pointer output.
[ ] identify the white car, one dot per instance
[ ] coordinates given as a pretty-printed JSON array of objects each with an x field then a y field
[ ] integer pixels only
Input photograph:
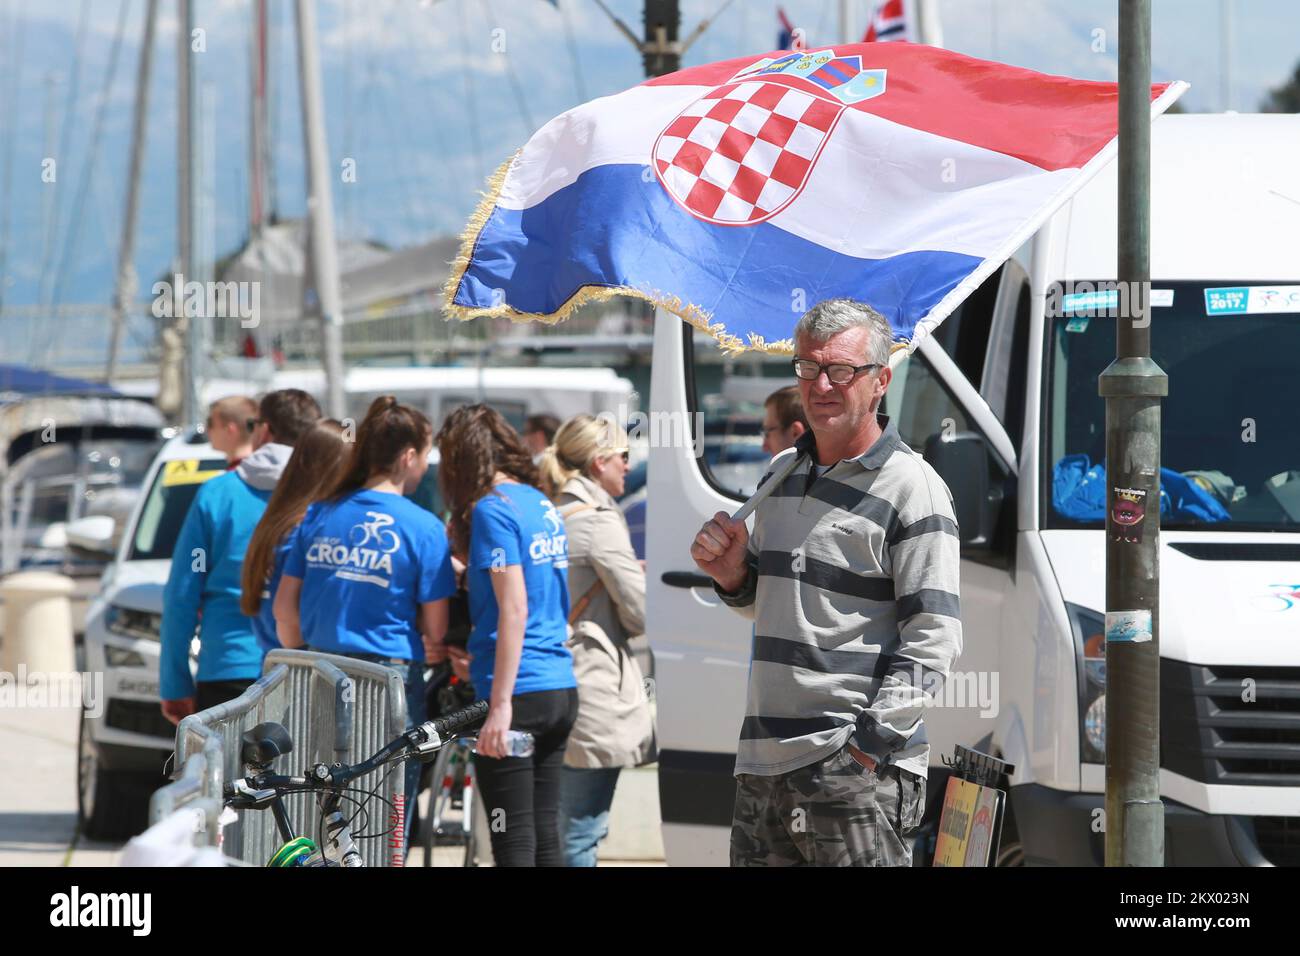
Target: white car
[{"x": 124, "y": 751}]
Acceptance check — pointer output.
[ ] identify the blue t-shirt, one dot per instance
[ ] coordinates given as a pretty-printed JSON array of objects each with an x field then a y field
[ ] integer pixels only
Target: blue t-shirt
[
  {"x": 264, "y": 621},
  {"x": 367, "y": 563},
  {"x": 519, "y": 525}
]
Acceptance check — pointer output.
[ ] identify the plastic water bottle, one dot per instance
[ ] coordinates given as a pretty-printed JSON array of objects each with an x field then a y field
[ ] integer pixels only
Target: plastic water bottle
[{"x": 519, "y": 743}]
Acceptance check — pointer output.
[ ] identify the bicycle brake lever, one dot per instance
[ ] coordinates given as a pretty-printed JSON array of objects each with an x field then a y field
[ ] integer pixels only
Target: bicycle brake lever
[
  {"x": 425, "y": 742},
  {"x": 250, "y": 797}
]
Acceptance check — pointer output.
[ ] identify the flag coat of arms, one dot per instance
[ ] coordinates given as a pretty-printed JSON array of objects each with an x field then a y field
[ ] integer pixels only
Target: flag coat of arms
[{"x": 738, "y": 194}]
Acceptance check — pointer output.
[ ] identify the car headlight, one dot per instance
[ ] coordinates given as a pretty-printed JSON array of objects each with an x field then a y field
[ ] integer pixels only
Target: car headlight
[
  {"x": 1089, "y": 628},
  {"x": 120, "y": 657},
  {"x": 130, "y": 623}
]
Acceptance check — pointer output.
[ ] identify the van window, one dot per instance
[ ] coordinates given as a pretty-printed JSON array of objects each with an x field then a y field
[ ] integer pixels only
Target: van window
[
  {"x": 1228, "y": 451},
  {"x": 727, "y": 393},
  {"x": 1012, "y": 413},
  {"x": 920, "y": 405},
  {"x": 924, "y": 411},
  {"x": 964, "y": 335}
]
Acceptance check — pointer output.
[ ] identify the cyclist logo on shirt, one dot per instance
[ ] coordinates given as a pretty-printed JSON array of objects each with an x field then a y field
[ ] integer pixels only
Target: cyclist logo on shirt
[
  {"x": 367, "y": 555},
  {"x": 552, "y": 518},
  {"x": 376, "y": 530},
  {"x": 550, "y": 545}
]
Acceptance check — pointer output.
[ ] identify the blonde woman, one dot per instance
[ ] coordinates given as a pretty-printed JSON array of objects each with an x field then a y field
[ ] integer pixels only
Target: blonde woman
[{"x": 583, "y": 471}]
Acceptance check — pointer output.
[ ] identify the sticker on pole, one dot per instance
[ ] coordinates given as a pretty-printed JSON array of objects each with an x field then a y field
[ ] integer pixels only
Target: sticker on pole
[
  {"x": 1128, "y": 513},
  {"x": 1128, "y": 627}
]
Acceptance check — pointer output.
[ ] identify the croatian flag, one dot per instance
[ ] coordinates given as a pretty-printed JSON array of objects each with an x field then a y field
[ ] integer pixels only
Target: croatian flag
[
  {"x": 890, "y": 21},
  {"x": 738, "y": 194}
]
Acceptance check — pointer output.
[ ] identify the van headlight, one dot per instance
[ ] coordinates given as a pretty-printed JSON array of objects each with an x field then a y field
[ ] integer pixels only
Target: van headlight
[
  {"x": 130, "y": 623},
  {"x": 1089, "y": 629}
]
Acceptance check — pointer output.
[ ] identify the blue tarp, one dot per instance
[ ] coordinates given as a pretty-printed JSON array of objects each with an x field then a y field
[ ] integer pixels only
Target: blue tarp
[
  {"x": 1079, "y": 493},
  {"x": 31, "y": 381}
]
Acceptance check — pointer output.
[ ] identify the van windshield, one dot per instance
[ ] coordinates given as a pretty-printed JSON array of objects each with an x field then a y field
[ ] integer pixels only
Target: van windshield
[{"x": 1230, "y": 450}]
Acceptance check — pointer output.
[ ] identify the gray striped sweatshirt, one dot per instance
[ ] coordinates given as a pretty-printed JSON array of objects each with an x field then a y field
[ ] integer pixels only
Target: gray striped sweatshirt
[{"x": 853, "y": 589}]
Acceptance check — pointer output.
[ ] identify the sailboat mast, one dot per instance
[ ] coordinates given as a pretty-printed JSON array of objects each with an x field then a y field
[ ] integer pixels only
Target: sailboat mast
[
  {"x": 257, "y": 204},
  {"x": 320, "y": 210},
  {"x": 126, "y": 285}
]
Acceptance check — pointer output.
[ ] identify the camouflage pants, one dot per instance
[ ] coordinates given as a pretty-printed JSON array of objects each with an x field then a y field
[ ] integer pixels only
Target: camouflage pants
[{"x": 834, "y": 812}]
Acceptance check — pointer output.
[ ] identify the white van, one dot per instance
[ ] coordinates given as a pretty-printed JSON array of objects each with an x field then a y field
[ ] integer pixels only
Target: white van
[{"x": 1012, "y": 384}]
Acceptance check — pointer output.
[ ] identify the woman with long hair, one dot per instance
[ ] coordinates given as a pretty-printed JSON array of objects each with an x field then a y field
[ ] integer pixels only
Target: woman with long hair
[
  {"x": 583, "y": 471},
  {"x": 310, "y": 474},
  {"x": 512, "y": 540},
  {"x": 369, "y": 572}
]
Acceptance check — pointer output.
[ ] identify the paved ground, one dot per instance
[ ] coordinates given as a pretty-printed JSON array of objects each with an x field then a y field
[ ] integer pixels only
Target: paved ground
[
  {"x": 38, "y": 801},
  {"x": 38, "y": 791}
]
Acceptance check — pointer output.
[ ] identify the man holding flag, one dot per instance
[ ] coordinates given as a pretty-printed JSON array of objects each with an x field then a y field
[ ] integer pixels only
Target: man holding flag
[
  {"x": 895, "y": 174},
  {"x": 851, "y": 578}
]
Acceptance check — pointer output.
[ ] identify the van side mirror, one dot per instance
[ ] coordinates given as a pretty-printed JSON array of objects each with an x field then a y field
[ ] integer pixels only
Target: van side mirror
[
  {"x": 962, "y": 461},
  {"x": 91, "y": 537}
]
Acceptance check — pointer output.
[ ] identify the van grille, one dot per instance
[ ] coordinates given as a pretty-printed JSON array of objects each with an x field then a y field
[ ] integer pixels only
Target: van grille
[
  {"x": 1208, "y": 732},
  {"x": 1278, "y": 839}
]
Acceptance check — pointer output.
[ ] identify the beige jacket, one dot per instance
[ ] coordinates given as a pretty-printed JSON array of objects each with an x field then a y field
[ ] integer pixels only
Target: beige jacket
[
  {"x": 615, "y": 719},
  {"x": 600, "y": 544}
]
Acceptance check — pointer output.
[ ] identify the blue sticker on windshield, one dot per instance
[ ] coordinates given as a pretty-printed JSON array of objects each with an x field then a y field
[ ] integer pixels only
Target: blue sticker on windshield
[
  {"x": 1253, "y": 300},
  {"x": 1230, "y": 301},
  {"x": 1090, "y": 301}
]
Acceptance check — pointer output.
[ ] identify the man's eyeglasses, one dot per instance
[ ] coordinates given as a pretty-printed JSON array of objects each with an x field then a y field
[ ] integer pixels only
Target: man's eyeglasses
[{"x": 809, "y": 370}]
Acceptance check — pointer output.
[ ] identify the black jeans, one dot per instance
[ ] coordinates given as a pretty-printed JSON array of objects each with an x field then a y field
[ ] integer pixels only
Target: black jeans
[
  {"x": 521, "y": 795},
  {"x": 209, "y": 693}
]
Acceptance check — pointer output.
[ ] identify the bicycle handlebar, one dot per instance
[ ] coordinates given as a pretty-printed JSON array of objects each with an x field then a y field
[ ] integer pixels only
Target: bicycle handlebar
[
  {"x": 421, "y": 741},
  {"x": 458, "y": 720}
]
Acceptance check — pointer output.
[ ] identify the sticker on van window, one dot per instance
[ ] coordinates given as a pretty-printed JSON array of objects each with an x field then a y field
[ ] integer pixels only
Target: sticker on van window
[
  {"x": 1077, "y": 324},
  {"x": 185, "y": 471},
  {"x": 1252, "y": 300},
  {"x": 1128, "y": 627},
  {"x": 1090, "y": 301},
  {"x": 1108, "y": 299}
]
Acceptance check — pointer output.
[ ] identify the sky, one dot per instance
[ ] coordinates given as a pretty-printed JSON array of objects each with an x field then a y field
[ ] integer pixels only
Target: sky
[{"x": 427, "y": 97}]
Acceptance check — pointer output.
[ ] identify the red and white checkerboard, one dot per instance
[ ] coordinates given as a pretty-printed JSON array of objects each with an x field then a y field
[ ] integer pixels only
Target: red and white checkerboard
[{"x": 741, "y": 153}]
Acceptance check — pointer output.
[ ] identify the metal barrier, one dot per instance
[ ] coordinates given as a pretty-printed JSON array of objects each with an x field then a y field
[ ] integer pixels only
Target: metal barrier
[
  {"x": 336, "y": 709},
  {"x": 197, "y": 785}
]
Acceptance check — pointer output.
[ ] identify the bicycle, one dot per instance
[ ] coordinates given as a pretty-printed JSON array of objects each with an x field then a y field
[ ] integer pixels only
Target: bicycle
[
  {"x": 450, "y": 780},
  {"x": 452, "y": 784},
  {"x": 260, "y": 790}
]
